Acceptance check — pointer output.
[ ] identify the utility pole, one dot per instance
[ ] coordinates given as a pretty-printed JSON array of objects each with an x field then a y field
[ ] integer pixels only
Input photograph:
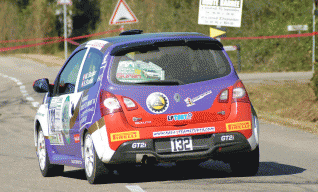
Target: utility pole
[
  {"x": 314, "y": 35},
  {"x": 64, "y": 3}
]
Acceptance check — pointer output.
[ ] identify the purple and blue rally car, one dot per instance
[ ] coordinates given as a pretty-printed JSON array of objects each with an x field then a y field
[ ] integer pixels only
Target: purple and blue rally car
[{"x": 145, "y": 98}]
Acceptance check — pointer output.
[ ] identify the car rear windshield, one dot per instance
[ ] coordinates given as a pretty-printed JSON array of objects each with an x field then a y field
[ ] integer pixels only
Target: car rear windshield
[{"x": 169, "y": 65}]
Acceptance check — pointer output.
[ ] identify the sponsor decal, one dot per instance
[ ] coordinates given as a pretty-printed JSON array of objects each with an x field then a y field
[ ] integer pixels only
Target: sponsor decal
[
  {"x": 66, "y": 119},
  {"x": 157, "y": 102},
  {"x": 78, "y": 162},
  {"x": 136, "y": 119},
  {"x": 191, "y": 102},
  {"x": 244, "y": 125},
  {"x": 100, "y": 77},
  {"x": 139, "y": 145},
  {"x": 56, "y": 139},
  {"x": 77, "y": 138},
  {"x": 98, "y": 44},
  {"x": 88, "y": 78},
  {"x": 142, "y": 122},
  {"x": 128, "y": 76},
  {"x": 180, "y": 117},
  {"x": 124, "y": 136},
  {"x": 184, "y": 131},
  {"x": 227, "y": 138}
]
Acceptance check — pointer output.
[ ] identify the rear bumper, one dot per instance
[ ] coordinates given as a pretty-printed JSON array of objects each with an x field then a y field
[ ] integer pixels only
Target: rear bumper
[{"x": 210, "y": 146}]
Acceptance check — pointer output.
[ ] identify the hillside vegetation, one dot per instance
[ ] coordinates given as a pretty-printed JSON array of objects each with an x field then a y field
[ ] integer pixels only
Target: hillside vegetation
[{"x": 20, "y": 19}]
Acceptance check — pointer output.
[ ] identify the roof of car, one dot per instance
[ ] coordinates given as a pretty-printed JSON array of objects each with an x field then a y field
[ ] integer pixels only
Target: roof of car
[
  {"x": 150, "y": 36},
  {"x": 125, "y": 42}
]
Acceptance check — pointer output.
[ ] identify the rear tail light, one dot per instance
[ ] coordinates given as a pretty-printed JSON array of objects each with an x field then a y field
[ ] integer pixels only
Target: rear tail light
[
  {"x": 109, "y": 103},
  {"x": 130, "y": 104},
  {"x": 224, "y": 96},
  {"x": 239, "y": 93}
]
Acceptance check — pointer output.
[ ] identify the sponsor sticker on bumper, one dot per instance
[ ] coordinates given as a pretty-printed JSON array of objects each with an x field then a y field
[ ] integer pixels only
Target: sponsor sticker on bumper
[
  {"x": 238, "y": 126},
  {"x": 124, "y": 136},
  {"x": 184, "y": 131}
]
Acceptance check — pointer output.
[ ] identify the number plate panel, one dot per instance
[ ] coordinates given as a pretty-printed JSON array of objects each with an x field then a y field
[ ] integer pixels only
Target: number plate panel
[{"x": 179, "y": 144}]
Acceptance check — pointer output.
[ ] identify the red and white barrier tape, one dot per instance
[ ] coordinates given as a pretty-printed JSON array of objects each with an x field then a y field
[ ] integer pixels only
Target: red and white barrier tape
[
  {"x": 26, "y": 40},
  {"x": 271, "y": 37},
  {"x": 70, "y": 40}
]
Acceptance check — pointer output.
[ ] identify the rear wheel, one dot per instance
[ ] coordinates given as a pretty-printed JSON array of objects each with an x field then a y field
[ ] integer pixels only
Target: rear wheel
[
  {"x": 94, "y": 167},
  {"x": 246, "y": 164},
  {"x": 47, "y": 169}
]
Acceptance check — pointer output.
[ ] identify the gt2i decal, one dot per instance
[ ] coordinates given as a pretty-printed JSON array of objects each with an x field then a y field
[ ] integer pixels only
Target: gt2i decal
[
  {"x": 244, "y": 125},
  {"x": 180, "y": 117},
  {"x": 184, "y": 131},
  {"x": 191, "y": 102},
  {"x": 227, "y": 138},
  {"x": 139, "y": 145},
  {"x": 124, "y": 136}
]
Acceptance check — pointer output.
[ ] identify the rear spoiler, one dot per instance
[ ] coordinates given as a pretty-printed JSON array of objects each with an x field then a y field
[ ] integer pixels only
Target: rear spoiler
[{"x": 144, "y": 46}]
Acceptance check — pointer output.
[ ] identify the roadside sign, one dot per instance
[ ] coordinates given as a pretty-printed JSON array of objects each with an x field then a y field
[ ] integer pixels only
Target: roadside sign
[
  {"x": 220, "y": 12},
  {"x": 64, "y": 2},
  {"x": 297, "y": 27},
  {"x": 216, "y": 32},
  {"x": 122, "y": 14}
]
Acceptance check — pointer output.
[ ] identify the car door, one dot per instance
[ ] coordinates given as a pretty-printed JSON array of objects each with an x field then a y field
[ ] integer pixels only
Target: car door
[{"x": 63, "y": 103}]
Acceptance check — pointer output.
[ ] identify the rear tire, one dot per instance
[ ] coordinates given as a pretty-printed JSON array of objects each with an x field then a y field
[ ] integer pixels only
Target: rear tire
[
  {"x": 94, "y": 167},
  {"x": 246, "y": 164},
  {"x": 47, "y": 169}
]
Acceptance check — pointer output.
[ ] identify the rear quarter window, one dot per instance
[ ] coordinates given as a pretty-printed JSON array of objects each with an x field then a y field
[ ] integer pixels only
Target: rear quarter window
[{"x": 90, "y": 70}]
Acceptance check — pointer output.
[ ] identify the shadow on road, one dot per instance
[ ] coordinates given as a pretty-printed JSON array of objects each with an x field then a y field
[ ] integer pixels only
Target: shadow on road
[{"x": 171, "y": 172}]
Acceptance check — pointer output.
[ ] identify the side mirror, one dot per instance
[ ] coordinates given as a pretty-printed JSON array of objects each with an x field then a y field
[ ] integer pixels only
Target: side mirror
[{"x": 41, "y": 85}]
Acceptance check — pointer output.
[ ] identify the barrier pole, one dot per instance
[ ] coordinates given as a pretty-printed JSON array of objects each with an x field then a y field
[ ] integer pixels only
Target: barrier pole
[
  {"x": 65, "y": 31},
  {"x": 314, "y": 36}
]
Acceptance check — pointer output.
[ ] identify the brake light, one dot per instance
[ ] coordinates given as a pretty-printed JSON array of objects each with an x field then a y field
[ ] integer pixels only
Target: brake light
[
  {"x": 130, "y": 104},
  {"x": 239, "y": 93},
  {"x": 109, "y": 103}
]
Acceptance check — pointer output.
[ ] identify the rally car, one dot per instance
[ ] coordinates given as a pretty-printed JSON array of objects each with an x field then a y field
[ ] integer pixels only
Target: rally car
[{"x": 102, "y": 109}]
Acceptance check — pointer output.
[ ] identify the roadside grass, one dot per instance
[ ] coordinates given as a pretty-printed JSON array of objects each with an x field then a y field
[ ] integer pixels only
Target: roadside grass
[
  {"x": 56, "y": 60},
  {"x": 290, "y": 103}
]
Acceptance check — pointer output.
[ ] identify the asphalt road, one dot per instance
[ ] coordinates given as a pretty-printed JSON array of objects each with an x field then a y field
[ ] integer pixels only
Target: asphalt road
[{"x": 289, "y": 157}]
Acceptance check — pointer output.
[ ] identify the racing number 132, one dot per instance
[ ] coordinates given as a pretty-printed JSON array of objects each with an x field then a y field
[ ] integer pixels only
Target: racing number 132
[{"x": 181, "y": 144}]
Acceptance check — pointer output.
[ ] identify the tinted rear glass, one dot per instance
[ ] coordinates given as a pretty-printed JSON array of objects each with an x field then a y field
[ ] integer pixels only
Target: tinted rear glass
[{"x": 172, "y": 65}]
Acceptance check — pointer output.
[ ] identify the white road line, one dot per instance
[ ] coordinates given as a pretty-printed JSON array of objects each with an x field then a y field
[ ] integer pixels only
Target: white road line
[
  {"x": 22, "y": 90},
  {"x": 134, "y": 188}
]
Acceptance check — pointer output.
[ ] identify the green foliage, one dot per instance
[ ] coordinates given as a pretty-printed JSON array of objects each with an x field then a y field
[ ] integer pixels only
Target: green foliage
[
  {"x": 22, "y": 19},
  {"x": 85, "y": 16}
]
